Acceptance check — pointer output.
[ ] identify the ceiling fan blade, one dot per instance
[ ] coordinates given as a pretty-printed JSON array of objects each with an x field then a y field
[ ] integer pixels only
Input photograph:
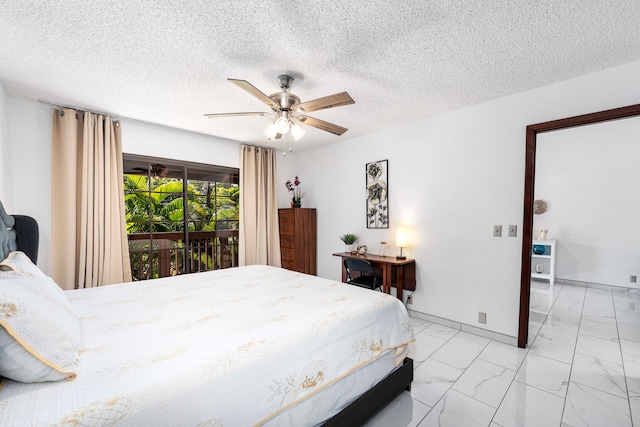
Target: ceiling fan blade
[
  {"x": 321, "y": 124},
  {"x": 253, "y": 113},
  {"x": 245, "y": 85},
  {"x": 335, "y": 100}
]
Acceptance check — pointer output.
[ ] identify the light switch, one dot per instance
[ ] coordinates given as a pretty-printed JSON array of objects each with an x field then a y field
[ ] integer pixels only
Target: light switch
[
  {"x": 513, "y": 231},
  {"x": 497, "y": 231}
]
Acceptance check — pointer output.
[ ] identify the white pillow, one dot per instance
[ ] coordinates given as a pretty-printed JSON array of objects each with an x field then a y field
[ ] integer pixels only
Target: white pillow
[
  {"x": 19, "y": 263},
  {"x": 39, "y": 333}
]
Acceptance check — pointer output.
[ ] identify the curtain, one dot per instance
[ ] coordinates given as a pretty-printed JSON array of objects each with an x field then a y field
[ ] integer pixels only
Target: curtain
[
  {"x": 88, "y": 236},
  {"x": 259, "y": 239}
]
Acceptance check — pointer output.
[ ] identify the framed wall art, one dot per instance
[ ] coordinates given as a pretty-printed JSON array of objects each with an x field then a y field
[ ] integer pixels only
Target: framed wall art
[{"x": 377, "y": 194}]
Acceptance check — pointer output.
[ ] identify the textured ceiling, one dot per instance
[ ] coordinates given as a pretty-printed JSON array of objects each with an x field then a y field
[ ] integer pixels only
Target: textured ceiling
[{"x": 167, "y": 62}]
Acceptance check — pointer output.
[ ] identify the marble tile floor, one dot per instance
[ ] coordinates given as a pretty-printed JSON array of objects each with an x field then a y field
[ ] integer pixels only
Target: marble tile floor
[{"x": 581, "y": 367}]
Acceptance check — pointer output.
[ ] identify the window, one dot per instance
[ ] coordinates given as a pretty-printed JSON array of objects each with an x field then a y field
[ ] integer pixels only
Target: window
[{"x": 181, "y": 217}]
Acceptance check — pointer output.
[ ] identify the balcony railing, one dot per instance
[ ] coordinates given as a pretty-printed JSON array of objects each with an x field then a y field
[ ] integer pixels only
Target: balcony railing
[{"x": 166, "y": 254}]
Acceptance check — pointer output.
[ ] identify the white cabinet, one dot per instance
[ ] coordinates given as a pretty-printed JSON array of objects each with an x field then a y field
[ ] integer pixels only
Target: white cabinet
[{"x": 543, "y": 265}]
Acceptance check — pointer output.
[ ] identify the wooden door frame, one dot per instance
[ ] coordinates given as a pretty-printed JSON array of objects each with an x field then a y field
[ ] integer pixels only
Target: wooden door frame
[{"x": 529, "y": 183}]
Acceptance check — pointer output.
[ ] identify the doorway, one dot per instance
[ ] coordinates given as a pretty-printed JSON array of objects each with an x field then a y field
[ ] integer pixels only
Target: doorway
[{"x": 532, "y": 132}]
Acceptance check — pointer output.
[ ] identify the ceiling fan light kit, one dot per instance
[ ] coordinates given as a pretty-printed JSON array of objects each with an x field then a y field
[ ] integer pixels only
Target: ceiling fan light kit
[
  {"x": 270, "y": 131},
  {"x": 297, "y": 132},
  {"x": 282, "y": 124},
  {"x": 273, "y": 132},
  {"x": 285, "y": 104}
]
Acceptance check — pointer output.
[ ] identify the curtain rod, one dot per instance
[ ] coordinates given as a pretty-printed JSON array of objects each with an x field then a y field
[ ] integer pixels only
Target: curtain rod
[
  {"x": 56, "y": 104},
  {"x": 256, "y": 145},
  {"x": 115, "y": 117}
]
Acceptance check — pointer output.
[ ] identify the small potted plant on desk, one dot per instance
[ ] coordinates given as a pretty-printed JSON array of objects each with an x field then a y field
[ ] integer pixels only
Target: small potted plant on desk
[{"x": 349, "y": 239}]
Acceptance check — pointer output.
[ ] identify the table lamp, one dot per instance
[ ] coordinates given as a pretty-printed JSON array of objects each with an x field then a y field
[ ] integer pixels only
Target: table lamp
[{"x": 402, "y": 239}]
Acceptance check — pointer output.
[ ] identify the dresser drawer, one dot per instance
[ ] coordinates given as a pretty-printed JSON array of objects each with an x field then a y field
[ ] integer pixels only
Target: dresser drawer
[
  {"x": 287, "y": 226},
  {"x": 288, "y": 258},
  {"x": 287, "y": 241}
]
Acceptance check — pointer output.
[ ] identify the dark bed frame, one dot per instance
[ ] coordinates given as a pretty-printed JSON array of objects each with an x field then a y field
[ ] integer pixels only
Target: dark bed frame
[
  {"x": 356, "y": 414},
  {"x": 372, "y": 401}
]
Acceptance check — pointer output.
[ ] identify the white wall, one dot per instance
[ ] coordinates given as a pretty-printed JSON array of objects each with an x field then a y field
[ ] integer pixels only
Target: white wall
[
  {"x": 26, "y": 158},
  {"x": 451, "y": 178},
  {"x": 29, "y": 173},
  {"x": 589, "y": 178},
  {"x": 5, "y": 150},
  {"x": 161, "y": 141}
]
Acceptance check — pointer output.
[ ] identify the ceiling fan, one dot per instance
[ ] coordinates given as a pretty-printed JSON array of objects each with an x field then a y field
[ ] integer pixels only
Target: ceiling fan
[{"x": 289, "y": 111}]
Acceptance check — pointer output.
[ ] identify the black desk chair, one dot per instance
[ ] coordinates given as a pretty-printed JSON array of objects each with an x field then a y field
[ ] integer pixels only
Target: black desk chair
[{"x": 368, "y": 277}]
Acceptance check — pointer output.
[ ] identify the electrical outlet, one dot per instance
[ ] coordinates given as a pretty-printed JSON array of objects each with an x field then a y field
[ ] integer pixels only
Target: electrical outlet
[
  {"x": 410, "y": 299},
  {"x": 497, "y": 231},
  {"x": 633, "y": 279},
  {"x": 482, "y": 318},
  {"x": 513, "y": 231}
]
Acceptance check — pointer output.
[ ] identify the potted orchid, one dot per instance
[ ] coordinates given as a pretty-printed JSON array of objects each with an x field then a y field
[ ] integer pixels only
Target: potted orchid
[{"x": 298, "y": 194}]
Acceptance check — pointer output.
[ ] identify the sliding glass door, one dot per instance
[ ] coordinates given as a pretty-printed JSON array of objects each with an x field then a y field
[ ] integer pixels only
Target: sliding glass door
[{"x": 181, "y": 217}]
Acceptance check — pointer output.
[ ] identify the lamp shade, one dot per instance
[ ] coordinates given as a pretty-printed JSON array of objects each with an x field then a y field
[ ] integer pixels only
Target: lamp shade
[
  {"x": 402, "y": 237},
  {"x": 270, "y": 131},
  {"x": 297, "y": 131},
  {"x": 282, "y": 125}
]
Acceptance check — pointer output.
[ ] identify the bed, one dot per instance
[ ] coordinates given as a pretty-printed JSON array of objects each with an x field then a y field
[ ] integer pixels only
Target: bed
[{"x": 253, "y": 345}]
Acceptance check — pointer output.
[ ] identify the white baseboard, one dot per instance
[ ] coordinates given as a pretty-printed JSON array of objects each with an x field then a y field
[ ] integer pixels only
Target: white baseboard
[{"x": 506, "y": 339}]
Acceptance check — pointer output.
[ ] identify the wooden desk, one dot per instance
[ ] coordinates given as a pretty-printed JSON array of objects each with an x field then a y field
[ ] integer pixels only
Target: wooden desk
[{"x": 398, "y": 272}]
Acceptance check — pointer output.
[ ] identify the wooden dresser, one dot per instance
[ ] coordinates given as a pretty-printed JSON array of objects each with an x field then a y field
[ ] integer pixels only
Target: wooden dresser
[{"x": 298, "y": 239}]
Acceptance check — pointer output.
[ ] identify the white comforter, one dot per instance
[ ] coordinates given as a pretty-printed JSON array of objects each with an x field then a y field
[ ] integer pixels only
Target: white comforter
[{"x": 226, "y": 348}]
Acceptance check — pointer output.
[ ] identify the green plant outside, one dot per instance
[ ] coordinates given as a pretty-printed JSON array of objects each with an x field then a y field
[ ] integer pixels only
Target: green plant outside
[{"x": 157, "y": 206}]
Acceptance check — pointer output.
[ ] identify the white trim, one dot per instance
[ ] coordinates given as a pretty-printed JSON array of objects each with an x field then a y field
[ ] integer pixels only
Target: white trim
[{"x": 506, "y": 339}]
